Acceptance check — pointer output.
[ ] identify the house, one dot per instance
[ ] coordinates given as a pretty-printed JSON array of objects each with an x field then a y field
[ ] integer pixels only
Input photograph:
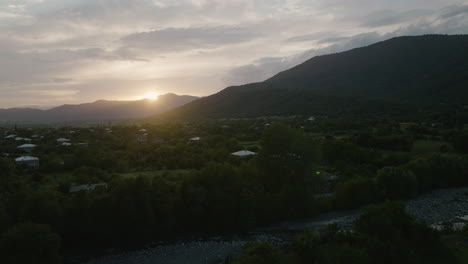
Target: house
[
  {"x": 10, "y": 136},
  {"x": 141, "y": 138},
  {"x": 326, "y": 176},
  {"x": 19, "y": 139},
  {"x": 27, "y": 139},
  {"x": 195, "y": 139},
  {"x": 66, "y": 144},
  {"x": 62, "y": 140},
  {"x": 143, "y": 130},
  {"x": 311, "y": 118},
  {"x": 27, "y": 147},
  {"x": 32, "y": 162},
  {"x": 87, "y": 187},
  {"x": 243, "y": 153}
]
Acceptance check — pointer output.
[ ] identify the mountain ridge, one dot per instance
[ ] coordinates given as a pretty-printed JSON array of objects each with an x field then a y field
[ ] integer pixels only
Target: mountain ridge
[
  {"x": 413, "y": 70},
  {"x": 99, "y": 110}
]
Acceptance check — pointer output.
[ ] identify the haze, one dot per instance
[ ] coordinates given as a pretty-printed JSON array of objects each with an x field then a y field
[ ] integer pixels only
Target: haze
[{"x": 54, "y": 52}]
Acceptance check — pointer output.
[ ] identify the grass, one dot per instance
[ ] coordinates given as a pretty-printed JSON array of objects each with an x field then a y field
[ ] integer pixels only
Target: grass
[
  {"x": 250, "y": 144},
  {"x": 168, "y": 174},
  {"x": 429, "y": 146}
]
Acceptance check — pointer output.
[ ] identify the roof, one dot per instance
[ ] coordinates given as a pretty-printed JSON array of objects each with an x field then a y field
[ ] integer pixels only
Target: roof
[
  {"x": 86, "y": 187},
  {"x": 243, "y": 153},
  {"x": 66, "y": 144},
  {"x": 26, "y": 158},
  {"x": 62, "y": 140},
  {"x": 195, "y": 138},
  {"x": 10, "y": 136},
  {"x": 27, "y": 146}
]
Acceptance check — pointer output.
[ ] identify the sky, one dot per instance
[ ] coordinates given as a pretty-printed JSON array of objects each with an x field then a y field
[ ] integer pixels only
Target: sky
[{"x": 55, "y": 52}]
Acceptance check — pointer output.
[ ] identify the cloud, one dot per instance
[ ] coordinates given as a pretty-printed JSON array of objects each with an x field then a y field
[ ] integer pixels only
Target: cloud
[
  {"x": 109, "y": 49},
  {"x": 446, "y": 21},
  {"x": 385, "y": 18},
  {"x": 181, "y": 39}
]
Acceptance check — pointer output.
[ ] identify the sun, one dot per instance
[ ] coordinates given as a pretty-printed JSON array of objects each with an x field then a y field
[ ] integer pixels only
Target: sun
[{"x": 151, "y": 96}]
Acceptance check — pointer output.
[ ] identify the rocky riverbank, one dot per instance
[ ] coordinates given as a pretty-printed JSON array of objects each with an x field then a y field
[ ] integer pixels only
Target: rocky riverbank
[{"x": 447, "y": 205}]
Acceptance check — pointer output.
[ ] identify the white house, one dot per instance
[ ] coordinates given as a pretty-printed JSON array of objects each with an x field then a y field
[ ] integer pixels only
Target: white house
[
  {"x": 18, "y": 138},
  {"x": 143, "y": 130},
  {"x": 66, "y": 144},
  {"x": 10, "y": 136},
  {"x": 32, "y": 162},
  {"x": 243, "y": 153},
  {"x": 27, "y": 147},
  {"x": 87, "y": 187},
  {"x": 195, "y": 139},
  {"x": 311, "y": 118},
  {"x": 62, "y": 140}
]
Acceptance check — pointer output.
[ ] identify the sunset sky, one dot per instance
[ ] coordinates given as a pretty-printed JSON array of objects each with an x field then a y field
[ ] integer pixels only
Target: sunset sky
[{"x": 54, "y": 52}]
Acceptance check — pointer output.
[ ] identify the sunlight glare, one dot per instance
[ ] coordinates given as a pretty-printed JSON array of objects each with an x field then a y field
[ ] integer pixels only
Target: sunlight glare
[{"x": 151, "y": 96}]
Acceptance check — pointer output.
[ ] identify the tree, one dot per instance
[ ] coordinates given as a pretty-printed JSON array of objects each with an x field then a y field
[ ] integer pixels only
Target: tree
[
  {"x": 356, "y": 192},
  {"x": 27, "y": 243},
  {"x": 7, "y": 169},
  {"x": 393, "y": 236},
  {"x": 261, "y": 253},
  {"x": 395, "y": 184}
]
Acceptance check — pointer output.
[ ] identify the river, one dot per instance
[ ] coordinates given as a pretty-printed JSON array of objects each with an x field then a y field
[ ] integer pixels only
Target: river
[{"x": 431, "y": 208}]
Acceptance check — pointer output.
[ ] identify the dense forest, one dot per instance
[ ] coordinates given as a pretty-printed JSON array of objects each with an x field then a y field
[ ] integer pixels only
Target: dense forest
[{"x": 165, "y": 180}]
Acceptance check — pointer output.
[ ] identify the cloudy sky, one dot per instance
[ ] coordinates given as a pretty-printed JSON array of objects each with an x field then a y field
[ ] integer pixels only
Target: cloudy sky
[{"x": 72, "y": 51}]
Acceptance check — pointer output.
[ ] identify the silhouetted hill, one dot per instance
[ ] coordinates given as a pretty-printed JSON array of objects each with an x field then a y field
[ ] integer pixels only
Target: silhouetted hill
[
  {"x": 101, "y": 110},
  {"x": 427, "y": 70}
]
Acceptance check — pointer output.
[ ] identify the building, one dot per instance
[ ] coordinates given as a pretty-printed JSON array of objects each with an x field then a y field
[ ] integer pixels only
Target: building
[
  {"x": 62, "y": 140},
  {"x": 27, "y": 147},
  {"x": 66, "y": 144},
  {"x": 32, "y": 162},
  {"x": 87, "y": 187},
  {"x": 10, "y": 136},
  {"x": 243, "y": 153},
  {"x": 142, "y": 138},
  {"x": 195, "y": 139}
]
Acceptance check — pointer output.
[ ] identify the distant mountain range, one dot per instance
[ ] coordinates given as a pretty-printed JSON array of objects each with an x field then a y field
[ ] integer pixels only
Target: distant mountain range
[
  {"x": 98, "y": 111},
  {"x": 420, "y": 70}
]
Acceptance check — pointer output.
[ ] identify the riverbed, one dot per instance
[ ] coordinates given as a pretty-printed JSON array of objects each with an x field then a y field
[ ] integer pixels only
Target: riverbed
[{"x": 437, "y": 206}]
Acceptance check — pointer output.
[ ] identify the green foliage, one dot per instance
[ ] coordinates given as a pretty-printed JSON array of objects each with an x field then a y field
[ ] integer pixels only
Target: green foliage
[
  {"x": 356, "y": 192},
  {"x": 27, "y": 243},
  {"x": 261, "y": 253},
  {"x": 383, "y": 234},
  {"x": 394, "y": 237},
  {"x": 396, "y": 184}
]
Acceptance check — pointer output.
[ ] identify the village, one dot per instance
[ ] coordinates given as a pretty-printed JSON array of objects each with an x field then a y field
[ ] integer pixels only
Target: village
[{"x": 200, "y": 179}]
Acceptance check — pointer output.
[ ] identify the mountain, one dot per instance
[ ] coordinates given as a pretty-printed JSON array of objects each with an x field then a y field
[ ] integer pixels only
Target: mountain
[
  {"x": 419, "y": 70},
  {"x": 101, "y": 110}
]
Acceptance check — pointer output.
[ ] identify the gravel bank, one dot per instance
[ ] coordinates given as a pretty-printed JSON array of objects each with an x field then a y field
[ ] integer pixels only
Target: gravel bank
[{"x": 432, "y": 208}]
